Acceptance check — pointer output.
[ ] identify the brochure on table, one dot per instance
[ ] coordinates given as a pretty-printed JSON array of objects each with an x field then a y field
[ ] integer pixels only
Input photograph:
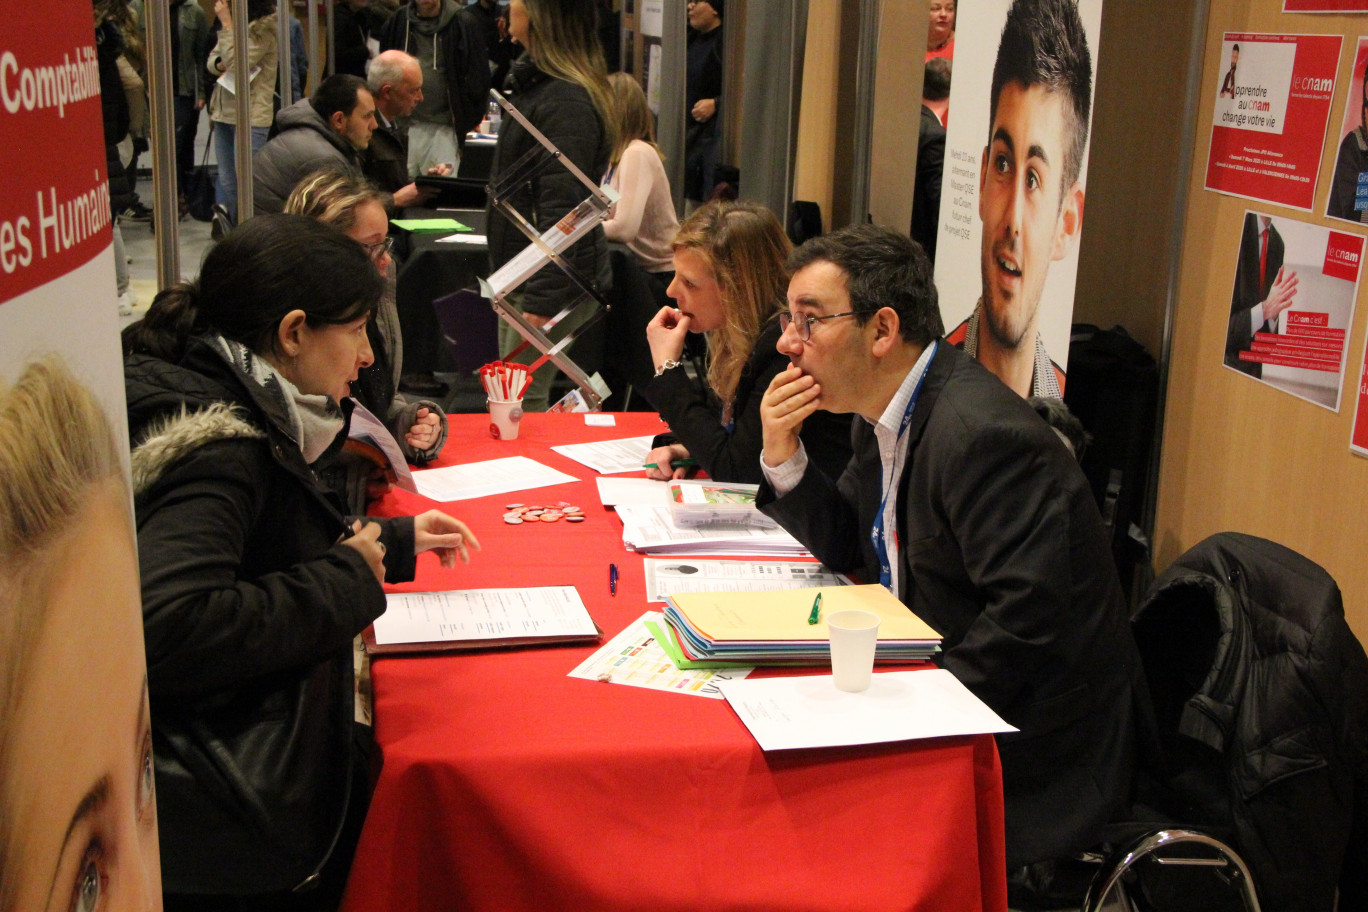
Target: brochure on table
[{"x": 633, "y": 657}]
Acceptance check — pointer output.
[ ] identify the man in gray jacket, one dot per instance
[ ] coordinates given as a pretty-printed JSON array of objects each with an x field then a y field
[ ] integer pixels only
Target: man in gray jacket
[{"x": 330, "y": 129}]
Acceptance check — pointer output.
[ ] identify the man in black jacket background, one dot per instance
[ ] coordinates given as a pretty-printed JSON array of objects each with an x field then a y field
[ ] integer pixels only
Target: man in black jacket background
[{"x": 964, "y": 503}]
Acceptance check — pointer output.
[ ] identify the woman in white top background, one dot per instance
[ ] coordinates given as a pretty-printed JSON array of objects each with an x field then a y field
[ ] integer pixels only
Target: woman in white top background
[{"x": 644, "y": 217}]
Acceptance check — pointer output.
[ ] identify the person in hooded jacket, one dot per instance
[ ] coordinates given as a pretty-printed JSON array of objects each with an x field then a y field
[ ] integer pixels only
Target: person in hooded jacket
[
  {"x": 560, "y": 84},
  {"x": 254, "y": 582},
  {"x": 330, "y": 129}
]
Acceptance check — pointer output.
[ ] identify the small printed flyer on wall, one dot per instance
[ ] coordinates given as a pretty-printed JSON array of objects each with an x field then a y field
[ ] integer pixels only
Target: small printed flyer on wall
[
  {"x": 1292, "y": 305},
  {"x": 1325, "y": 6},
  {"x": 1272, "y": 106}
]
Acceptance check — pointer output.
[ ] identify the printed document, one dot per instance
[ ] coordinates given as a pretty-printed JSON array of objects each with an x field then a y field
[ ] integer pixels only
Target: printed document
[
  {"x": 665, "y": 578},
  {"x": 482, "y": 614},
  {"x": 650, "y": 529},
  {"x": 614, "y": 491},
  {"x": 608, "y": 457}
]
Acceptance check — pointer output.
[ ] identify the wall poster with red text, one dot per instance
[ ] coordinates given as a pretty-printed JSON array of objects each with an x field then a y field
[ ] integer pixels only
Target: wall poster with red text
[
  {"x": 1348, "y": 197},
  {"x": 1325, "y": 6},
  {"x": 1292, "y": 304},
  {"x": 77, "y": 798},
  {"x": 1270, "y": 112},
  {"x": 1358, "y": 438}
]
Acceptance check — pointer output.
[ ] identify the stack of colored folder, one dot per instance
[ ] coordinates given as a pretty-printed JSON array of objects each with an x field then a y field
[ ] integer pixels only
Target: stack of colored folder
[{"x": 772, "y": 628}]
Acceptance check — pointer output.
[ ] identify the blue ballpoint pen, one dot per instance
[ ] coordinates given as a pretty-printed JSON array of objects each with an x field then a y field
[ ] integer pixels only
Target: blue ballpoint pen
[{"x": 612, "y": 579}]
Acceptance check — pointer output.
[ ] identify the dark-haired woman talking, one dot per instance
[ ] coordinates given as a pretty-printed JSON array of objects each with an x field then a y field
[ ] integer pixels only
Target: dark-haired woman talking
[{"x": 254, "y": 583}]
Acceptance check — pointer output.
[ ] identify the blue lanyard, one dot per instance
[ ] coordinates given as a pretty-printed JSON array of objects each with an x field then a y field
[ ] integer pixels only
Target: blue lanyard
[{"x": 876, "y": 534}]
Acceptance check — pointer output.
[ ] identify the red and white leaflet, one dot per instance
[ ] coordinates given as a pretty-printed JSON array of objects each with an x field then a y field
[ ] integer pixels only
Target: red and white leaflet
[
  {"x": 1272, "y": 106},
  {"x": 1325, "y": 6}
]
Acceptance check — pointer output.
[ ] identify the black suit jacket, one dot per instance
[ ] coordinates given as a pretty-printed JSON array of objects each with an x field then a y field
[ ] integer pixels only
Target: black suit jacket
[
  {"x": 1249, "y": 291},
  {"x": 385, "y": 160},
  {"x": 1002, "y": 550}
]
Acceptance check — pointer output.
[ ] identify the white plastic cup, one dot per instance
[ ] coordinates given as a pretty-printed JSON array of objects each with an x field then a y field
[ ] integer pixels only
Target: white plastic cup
[
  {"x": 854, "y": 634},
  {"x": 504, "y": 417}
]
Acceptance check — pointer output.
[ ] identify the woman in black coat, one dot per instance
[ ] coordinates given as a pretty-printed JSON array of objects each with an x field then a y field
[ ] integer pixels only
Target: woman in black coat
[
  {"x": 560, "y": 84},
  {"x": 729, "y": 284},
  {"x": 254, "y": 583}
]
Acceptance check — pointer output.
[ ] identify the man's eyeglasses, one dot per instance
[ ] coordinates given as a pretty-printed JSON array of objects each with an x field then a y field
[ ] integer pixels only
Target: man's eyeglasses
[
  {"x": 378, "y": 249},
  {"x": 803, "y": 325}
]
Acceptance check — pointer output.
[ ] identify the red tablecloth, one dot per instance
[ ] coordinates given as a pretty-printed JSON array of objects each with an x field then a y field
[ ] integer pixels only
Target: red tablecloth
[{"x": 508, "y": 785}]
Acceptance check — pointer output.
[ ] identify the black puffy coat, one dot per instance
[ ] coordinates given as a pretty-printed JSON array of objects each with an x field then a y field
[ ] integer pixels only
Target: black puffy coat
[
  {"x": 250, "y": 606},
  {"x": 1261, "y": 694},
  {"x": 565, "y": 114}
]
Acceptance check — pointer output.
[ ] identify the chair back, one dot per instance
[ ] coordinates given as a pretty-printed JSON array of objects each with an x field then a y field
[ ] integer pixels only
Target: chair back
[{"x": 1260, "y": 692}]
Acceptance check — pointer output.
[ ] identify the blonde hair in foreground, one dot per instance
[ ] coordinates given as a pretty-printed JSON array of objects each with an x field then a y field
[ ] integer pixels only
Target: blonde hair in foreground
[
  {"x": 631, "y": 114},
  {"x": 332, "y": 197},
  {"x": 745, "y": 247},
  {"x": 55, "y": 446}
]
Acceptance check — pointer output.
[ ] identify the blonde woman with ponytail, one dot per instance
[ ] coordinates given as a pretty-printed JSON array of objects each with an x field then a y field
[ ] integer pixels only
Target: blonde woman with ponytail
[
  {"x": 560, "y": 84},
  {"x": 730, "y": 284}
]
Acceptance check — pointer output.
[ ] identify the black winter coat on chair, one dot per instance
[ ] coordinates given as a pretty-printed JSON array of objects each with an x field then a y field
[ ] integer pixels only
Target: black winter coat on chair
[{"x": 1261, "y": 694}]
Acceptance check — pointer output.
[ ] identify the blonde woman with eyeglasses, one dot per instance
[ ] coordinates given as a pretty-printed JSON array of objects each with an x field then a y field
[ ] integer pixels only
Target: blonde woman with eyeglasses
[{"x": 356, "y": 207}]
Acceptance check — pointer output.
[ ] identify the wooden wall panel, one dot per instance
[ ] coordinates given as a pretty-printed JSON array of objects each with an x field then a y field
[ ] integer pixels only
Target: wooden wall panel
[
  {"x": 814, "y": 165},
  {"x": 1237, "y": 454}
]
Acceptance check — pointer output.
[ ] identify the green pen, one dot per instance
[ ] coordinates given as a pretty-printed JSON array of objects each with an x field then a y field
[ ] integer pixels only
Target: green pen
[
  {"x": 816, "y": 609},
  {"x": 688, "y": 463}
]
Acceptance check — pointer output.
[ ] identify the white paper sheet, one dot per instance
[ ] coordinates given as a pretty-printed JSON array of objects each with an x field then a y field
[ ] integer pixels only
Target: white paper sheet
[
  {"x": 363, "y": 426},
  {"x": 633, "y": 657},
  {"x": 789, "y": 713},
  {"x": 481, "y": 479},
  {"x": 464, "y": 237},
  {"x": 614, "y": 491},
  {"x": 599, "y": 419},
  {"x": 609, "y": 456},
  {"x": 669, "y": 577},
  {"x": 482, "y": 614},
  {"x": 650, "y": 529}
]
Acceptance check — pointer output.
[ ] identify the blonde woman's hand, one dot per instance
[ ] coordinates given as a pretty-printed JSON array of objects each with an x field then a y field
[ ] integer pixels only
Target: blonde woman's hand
[
  {"x": 666, "y": 334},
  {"x": 446, "y": 536},
  {"x": 661, "y": 457}
]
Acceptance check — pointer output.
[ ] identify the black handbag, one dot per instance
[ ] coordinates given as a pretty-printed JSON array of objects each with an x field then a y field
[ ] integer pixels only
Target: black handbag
[{"x": 199, "y": 186}]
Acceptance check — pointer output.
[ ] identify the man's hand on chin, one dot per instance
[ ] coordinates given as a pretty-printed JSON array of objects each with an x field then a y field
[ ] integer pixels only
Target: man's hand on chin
[{"x": 791, "y": 397}]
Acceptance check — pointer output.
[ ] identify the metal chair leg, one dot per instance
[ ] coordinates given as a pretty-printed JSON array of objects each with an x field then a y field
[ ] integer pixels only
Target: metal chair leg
[{"x": 1109, "y": 877}]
